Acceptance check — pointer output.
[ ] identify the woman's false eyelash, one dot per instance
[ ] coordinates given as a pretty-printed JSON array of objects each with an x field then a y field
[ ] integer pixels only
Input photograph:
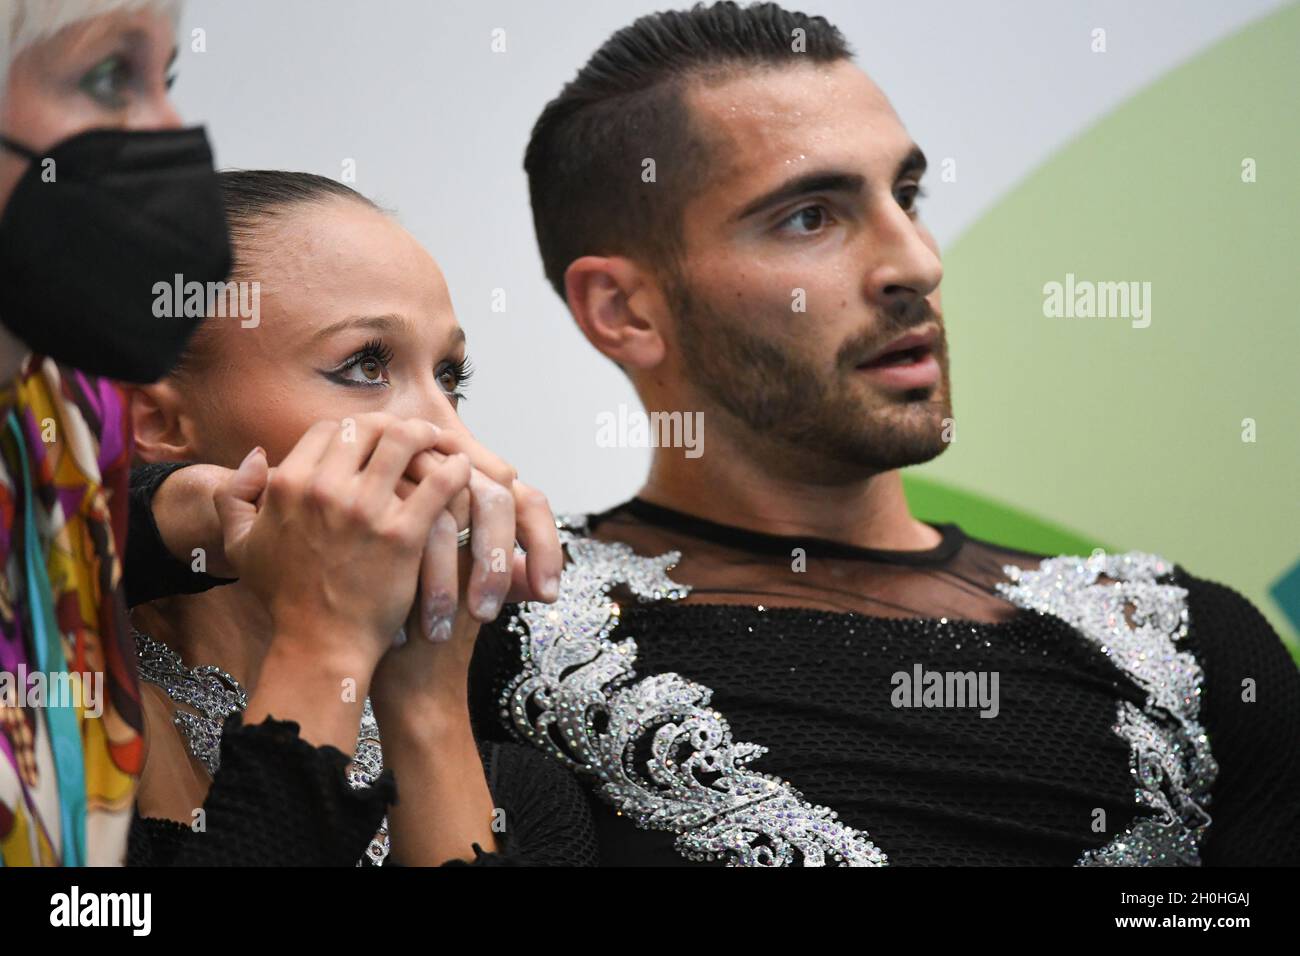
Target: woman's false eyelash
[
  {"x": 374, "y": 350},
  {"x": 463, "y": 369}
]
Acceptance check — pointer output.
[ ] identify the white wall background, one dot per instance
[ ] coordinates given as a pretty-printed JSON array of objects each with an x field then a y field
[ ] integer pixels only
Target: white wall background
[{"x": 437, "y": 123}]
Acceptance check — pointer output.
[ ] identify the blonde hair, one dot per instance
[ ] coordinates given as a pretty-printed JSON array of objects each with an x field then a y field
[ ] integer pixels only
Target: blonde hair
[{"x": 25, "y": 22}]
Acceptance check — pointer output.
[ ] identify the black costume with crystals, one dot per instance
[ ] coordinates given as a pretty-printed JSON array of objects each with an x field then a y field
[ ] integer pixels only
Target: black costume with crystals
[{"x": 1121, "y": 735}]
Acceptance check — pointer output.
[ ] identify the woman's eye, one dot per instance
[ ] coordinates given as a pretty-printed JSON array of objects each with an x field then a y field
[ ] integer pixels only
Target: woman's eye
[
  {"x": 453, "y": 377},
  {"x": 107, "y": 81},
  {"x": 365, "y": 371},
  {"x": 452, "y": 381},
  {"x": 806, "y": 221}
]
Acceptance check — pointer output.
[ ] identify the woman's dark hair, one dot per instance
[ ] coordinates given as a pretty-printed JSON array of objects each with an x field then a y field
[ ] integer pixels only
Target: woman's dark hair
[
  {"x": 626, "y": 105},
  {"x": 251, "y": 198}
]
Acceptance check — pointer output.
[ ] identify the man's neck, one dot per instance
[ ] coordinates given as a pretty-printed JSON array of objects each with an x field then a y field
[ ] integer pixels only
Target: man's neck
[{"x": 732, "y": 485}]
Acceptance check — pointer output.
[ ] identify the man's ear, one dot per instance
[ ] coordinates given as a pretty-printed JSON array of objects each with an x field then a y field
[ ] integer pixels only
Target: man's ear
[
  {"x": 620, "y": 309},
  {"x": 163, "y": 431}
]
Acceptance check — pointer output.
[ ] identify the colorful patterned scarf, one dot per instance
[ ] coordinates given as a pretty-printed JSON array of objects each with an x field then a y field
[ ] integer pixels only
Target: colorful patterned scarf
[{"x": 69, "y": 757}]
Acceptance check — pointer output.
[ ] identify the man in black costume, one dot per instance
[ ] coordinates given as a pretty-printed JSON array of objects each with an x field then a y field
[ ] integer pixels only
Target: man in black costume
[{"x": 763, "y": 658}]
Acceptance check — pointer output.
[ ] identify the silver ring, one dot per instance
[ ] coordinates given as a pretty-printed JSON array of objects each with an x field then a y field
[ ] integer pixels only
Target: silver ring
[{"x": 462, "y": 538}]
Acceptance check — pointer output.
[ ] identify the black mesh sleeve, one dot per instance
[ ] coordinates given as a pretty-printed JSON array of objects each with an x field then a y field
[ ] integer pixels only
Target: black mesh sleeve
[
  {"x": 1255, "y": 802},
  {"x": 151, "y": 571},
  {"x": 546, "y": 808},
  {"x": 275, "y": 801},
  {"x": 495, "y": 662},
  {"x": 545, "y": 818}
]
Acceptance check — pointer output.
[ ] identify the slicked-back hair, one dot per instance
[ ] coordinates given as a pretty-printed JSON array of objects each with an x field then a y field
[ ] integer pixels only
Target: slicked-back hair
[
  {"x": 628, "y": 104},
  {"x": 252, "y": 198}
]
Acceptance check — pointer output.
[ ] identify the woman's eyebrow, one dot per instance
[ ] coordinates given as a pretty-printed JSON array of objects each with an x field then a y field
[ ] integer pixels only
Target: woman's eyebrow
[{"x": 391, "y": 323}]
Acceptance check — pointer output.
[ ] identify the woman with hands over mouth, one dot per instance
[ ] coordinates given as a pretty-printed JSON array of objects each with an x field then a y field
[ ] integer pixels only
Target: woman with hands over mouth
[{"x": 343, "y": 527}]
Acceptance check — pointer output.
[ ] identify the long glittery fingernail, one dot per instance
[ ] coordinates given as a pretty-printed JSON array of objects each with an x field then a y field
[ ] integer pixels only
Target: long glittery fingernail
[
  {"x": 439, "y": 610},
  {"x": 489, "y": 607}
]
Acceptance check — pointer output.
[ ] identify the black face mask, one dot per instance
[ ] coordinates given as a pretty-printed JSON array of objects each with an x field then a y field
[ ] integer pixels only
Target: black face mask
[{"x": 81, "y": 255}]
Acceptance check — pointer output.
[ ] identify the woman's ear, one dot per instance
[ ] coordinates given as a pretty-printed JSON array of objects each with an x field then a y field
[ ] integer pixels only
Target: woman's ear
[
  {"x": 619, "y": 308},
  {"x": 162, "y": 427}
]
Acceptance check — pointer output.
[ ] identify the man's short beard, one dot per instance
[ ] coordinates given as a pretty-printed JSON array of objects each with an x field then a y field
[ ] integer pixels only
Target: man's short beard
[{"x": 790, "y": 403}]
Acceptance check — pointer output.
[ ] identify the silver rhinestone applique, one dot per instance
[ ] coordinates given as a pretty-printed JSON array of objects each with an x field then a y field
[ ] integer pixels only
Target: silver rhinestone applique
[
  {"x": 207, "y": 688},
  {"x": 216, "y": 695},
  {"x": 692, "y": 779},
  {"x": 1170, "y": 760}
]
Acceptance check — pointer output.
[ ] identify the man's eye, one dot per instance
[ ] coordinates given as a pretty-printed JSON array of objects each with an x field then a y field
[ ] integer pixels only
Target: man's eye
[
  {"x": 909, "y": 196},
  {"x": 806, "y": 221}
]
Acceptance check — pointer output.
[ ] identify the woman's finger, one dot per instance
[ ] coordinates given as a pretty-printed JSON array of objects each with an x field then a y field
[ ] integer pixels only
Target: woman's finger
[
  {"x": 351, "y": 443},
  {"x": 452, "y": 440},
  {"x": 236, "y": 499},
  {"x": 398, "y": 445},
  {"x": 535, "y": 529},
  {"x": 439, "y": 579},
  {"x": 303, "y": 459},
  {"x": 492, "y": 545}
]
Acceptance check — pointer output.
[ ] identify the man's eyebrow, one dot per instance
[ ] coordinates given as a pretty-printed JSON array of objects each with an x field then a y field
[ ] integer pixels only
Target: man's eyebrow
[
  {"x": 828, "y": 181},
  {"x": 914, "y": 162},
  {"x": 378, "y": 323}
]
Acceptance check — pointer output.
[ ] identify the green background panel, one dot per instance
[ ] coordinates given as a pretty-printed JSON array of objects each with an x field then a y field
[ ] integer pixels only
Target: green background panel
[{"x": 1101, "y": 432}]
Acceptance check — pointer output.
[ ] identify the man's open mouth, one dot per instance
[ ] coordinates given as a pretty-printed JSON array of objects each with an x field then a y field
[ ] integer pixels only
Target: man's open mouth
[{"x": 899, "y": 357}]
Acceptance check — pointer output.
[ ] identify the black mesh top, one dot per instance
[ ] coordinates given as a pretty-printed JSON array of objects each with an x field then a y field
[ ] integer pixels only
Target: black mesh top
[
  {"x": 1121, "y": 731},
  {"x": 279, "y": 801}
]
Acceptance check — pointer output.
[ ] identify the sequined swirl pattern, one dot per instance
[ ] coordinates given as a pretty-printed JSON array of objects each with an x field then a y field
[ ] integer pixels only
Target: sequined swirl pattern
[
  {"x": 1136, "y": 619},
  {"x": 216, "y": 695},
  {"x": 655, "y": 749}
]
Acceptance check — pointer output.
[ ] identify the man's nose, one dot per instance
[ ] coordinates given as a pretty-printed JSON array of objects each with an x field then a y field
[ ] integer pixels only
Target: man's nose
[{"x": 903, "y": 264}]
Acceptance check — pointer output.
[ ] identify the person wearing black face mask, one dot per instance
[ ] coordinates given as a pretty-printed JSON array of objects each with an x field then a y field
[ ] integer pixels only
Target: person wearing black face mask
[
  {"x": 102, "y": 195},
  {"x": 132, "y": 208}
]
